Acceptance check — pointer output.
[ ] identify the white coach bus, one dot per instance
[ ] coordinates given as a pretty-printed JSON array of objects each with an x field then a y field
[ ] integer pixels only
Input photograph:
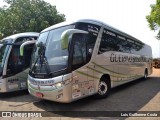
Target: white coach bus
[
  {"x": 14, "y": 68},
  {"x": 77, "y": 59}
]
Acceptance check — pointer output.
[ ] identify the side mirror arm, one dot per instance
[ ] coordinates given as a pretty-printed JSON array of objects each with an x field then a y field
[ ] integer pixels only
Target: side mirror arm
[
  {"x": 66, "y": 34},
  {"x": 24, "y": 44}
]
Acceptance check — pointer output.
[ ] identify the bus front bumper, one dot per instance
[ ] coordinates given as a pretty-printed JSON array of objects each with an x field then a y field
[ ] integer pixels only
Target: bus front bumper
[{"x": 61, "y": 94}]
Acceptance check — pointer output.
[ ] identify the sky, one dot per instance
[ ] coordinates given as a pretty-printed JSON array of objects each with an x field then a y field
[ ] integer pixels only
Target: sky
[{"x": 128, "y": 16}]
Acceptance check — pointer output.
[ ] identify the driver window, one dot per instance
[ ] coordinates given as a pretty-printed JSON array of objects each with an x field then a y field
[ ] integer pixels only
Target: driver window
[
  {"x": 79, "y": 50},
  {"x": 15, "y": 61}
]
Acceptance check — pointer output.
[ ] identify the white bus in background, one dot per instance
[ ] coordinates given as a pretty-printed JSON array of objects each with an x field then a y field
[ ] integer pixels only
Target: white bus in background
[
  {"x": 13, "y": 67},
  {"x": 78, "y": 59}
]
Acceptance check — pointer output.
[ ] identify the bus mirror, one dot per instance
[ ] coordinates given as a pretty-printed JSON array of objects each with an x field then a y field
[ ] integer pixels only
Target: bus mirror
[
  {"x": 40, "y": 44},
  {"x": 24, "y": 44},
  {"x": 66, "y": 35}
]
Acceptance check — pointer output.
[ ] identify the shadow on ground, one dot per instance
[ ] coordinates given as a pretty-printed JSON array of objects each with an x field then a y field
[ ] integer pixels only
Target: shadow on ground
[
  {"x": 13, "y": 94},
  {"x": 128, "y": 97},
  {"x": 18, "y": 97}
]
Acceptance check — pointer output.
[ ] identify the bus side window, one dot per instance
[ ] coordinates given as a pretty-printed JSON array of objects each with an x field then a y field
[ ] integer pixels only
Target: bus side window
[{"x": 108, "y": 43}]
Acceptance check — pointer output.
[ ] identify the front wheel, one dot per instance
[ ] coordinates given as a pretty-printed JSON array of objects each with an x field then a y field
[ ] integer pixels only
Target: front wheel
[{"x": 103, "y": 88}]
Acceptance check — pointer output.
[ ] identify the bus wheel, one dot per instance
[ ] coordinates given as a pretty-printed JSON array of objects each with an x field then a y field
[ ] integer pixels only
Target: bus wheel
[
  {"x": 145, "y": 74},
  {"x": 103, "y": 88}
]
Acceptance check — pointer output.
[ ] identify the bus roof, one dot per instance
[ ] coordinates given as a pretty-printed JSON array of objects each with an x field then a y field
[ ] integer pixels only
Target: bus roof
[
  {"x": 96, "y": 22},
  {"x": 72, "y": 22},
  {"x": 22, "y": 35}
]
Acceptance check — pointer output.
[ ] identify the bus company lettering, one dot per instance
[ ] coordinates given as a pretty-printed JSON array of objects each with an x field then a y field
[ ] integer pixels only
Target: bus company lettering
[
  {"x": 127, "y": 58},
  {"x": 12, "y": 80}
]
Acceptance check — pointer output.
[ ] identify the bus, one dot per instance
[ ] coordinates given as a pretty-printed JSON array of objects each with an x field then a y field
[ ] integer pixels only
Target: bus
[
  {"x": 73, "y": 60},
  {"x": 14, "y": 68},
  {"x": 156, "y": 63}
]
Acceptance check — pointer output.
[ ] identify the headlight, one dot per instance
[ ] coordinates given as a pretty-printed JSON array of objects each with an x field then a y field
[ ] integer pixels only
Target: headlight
[
  {"x": 58, "y": 85},
  {"x": 63, "y": 83}
]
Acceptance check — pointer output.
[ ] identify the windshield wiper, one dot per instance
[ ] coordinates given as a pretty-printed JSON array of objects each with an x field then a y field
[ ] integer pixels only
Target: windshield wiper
[{"x": 43, "y": 59}]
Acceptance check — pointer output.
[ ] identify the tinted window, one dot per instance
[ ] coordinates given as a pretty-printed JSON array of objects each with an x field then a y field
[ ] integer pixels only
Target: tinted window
[
  {"x": 28, "y": 49},
  {"x": 109, "y": 42},
  {"x": 24, "y": 39},
  {"x": 17, "y": 63},
  {"x": 114, "y": 42},
  {"x": 91, "y": 37},
  {"x": 91, "y": 40},
  {"x": 79, "y": 50},
  {"x": 91, "y": 28},
  {"x": 141, "y": 49}
]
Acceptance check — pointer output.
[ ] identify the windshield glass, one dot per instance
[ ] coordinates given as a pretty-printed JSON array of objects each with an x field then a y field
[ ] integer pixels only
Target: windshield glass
[
  {"x": 3, "y": 52},
  {"x": 49, "y": 56}
]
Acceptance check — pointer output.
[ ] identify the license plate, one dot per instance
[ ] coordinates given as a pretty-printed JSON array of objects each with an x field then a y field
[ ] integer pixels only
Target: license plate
[{"x": 40, "y": 95}]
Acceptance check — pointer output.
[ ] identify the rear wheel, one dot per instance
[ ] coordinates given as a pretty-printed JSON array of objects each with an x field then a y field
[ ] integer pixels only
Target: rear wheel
[{"x": 103, "y": 88}]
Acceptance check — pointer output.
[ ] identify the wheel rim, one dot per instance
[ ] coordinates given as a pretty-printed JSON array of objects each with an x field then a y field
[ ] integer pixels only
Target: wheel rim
[{"x": 102, "y": 89}]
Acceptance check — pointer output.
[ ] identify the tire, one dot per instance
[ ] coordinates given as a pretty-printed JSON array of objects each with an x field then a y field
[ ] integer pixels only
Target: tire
[
  {"x": 145, "y": 74},
  {"x": 104, "y": 88}
]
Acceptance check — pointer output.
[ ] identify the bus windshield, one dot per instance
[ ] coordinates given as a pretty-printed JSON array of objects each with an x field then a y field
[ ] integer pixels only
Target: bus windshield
[
  {"x": 3, "y": 52},
  {"x": 48, "y": 55}
]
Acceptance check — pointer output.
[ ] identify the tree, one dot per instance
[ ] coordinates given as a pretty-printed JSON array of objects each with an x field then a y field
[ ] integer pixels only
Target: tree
[
  {"x": 154, "y": 18},
  {"x": 27, "y": 16}
]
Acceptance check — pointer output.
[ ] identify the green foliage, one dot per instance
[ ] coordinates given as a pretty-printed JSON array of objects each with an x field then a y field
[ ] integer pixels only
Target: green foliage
[
  {"x": 27, "y": 16},
  {"x": 154, "y": 18}
]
